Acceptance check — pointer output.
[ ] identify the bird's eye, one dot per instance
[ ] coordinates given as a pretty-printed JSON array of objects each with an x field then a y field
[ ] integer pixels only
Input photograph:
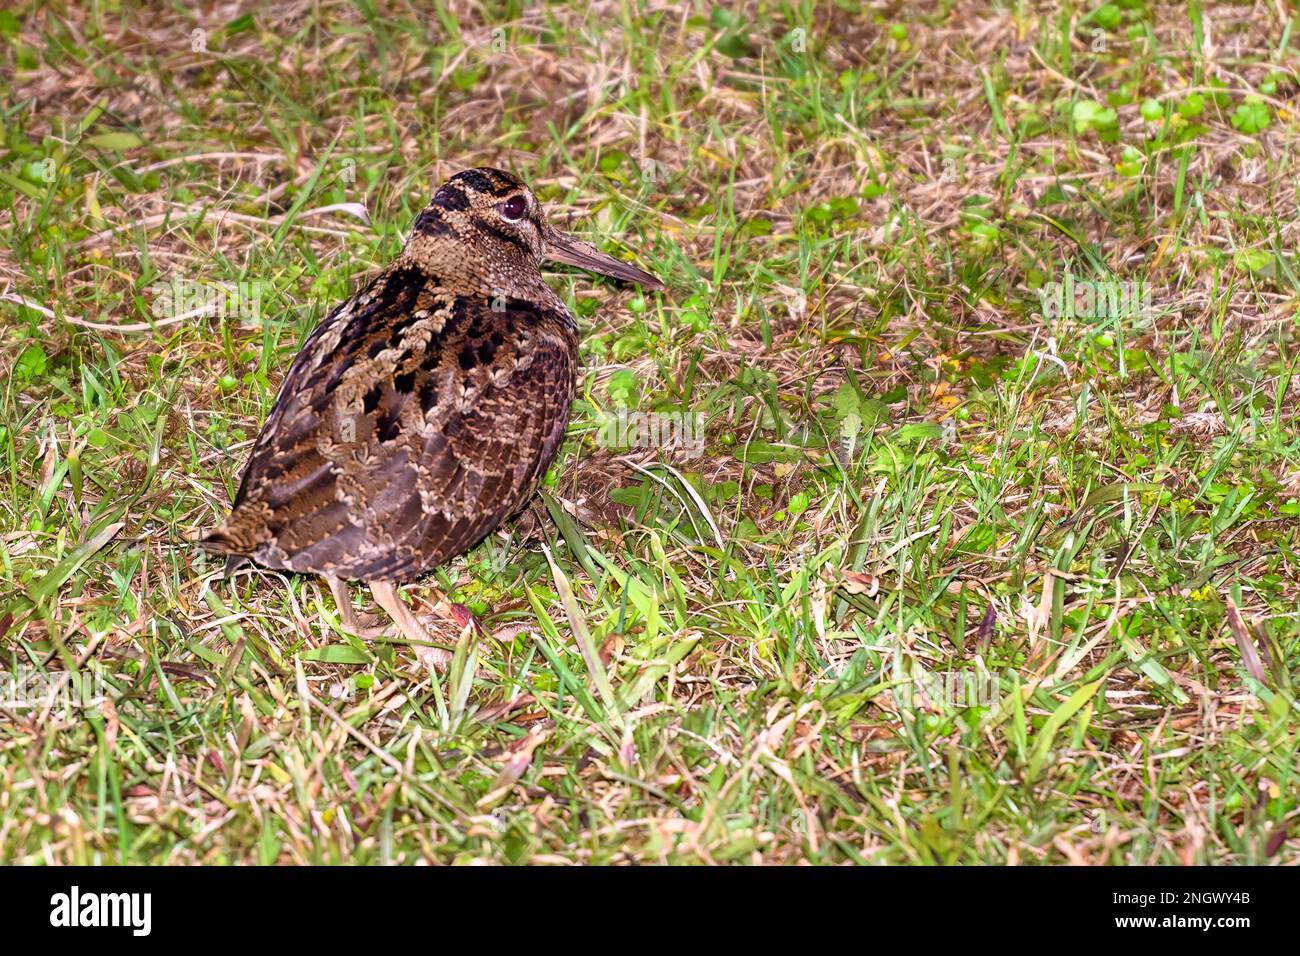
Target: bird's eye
[{"x": 513, "y": 208}]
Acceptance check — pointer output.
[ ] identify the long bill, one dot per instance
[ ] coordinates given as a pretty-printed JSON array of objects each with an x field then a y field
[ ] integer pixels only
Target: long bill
[{"x": 575, "y": 252}]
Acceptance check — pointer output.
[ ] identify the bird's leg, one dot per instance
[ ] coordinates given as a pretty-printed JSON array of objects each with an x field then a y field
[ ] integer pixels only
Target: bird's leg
[
  {"x": 347, "y": 615},
  {"x": 343, "y": 601},
  {"x": 410, "y": 626}
]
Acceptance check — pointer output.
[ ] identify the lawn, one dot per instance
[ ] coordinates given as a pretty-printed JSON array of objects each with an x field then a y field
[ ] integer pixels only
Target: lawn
[{"x": 943, "y": 510}]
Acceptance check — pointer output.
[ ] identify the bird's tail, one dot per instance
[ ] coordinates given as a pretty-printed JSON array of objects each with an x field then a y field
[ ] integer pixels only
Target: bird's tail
[{"x": 226, "y": 541}]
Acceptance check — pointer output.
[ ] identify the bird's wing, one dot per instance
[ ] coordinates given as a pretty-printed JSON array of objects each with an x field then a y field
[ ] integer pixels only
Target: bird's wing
[{"x": 412, "y": 422}]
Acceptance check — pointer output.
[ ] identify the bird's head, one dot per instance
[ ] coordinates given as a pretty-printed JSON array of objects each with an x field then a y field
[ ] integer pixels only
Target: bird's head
[{"x": 495, "y": 220}]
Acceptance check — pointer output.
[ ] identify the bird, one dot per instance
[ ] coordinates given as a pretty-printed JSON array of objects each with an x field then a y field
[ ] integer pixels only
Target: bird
[{"x": 423, "y": 411}]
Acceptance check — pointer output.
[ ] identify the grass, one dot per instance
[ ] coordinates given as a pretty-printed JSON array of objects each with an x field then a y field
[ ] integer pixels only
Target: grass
[{"x": 966, "y": 572}]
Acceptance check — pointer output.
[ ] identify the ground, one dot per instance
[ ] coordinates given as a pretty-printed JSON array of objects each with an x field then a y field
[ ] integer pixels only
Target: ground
[{"x": 942, "y": 511}]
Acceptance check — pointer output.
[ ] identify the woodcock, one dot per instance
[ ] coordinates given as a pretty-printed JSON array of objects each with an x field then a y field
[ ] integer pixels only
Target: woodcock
[{"x": 424, "y": 410}]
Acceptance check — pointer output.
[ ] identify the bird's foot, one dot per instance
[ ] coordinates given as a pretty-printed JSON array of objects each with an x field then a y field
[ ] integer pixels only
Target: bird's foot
[
  {"x": 433, "y": 658},
  {"x": 368, "y": 627},
  {"x": 410, "y": 626},
  {"x": 445, "y": 612},
  {"x": 362, "y": 625}
]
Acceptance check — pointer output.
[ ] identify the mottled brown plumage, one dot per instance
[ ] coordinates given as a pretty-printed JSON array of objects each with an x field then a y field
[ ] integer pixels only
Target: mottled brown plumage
[{"x": 425, "y": 409}]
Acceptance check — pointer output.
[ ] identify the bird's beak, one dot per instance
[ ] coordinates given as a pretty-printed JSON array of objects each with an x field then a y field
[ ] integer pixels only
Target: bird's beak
[{"x": 574, "y": 252}]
